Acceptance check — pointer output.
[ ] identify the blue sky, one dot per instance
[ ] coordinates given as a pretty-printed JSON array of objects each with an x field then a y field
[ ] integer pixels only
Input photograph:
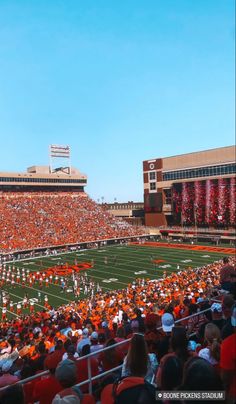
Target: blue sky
[{"x": 119, "y": 81}]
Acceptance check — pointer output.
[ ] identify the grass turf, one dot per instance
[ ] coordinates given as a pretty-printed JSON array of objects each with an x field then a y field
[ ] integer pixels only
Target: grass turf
[{"x": 132, "y": 262}]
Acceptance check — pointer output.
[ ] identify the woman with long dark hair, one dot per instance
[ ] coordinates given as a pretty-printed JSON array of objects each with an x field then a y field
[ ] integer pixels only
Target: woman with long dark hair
[
  {"x": 133, "y": 387},
  {"x": 199, "y": 374},
  {"x": 178, "y": 348},
  {"x": 138, "y": 361},
  {"x": 171, "y": 374}
]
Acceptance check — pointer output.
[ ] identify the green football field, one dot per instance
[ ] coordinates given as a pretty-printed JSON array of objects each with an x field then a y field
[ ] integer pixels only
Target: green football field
[{"x": 124, "y": 264}]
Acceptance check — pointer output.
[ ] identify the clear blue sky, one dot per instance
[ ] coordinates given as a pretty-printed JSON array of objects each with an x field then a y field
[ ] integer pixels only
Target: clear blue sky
[{"x": 120, "y": 81}]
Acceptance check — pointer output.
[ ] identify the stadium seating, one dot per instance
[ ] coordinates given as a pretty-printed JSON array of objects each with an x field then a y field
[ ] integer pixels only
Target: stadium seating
[
  {"x": 182, "y": 322},
  {"x": 31, "y": 220},
  {"x": 32, "y": 343}
]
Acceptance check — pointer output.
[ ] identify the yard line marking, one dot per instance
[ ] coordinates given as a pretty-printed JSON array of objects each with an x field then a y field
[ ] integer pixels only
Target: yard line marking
[
  {"x": 11, "y": 312},
  {"x": 46, "y": 293},
  {"x": 20, "y": 297}
]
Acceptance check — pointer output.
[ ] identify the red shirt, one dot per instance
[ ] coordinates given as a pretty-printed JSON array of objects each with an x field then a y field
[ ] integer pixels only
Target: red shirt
[
  {"x": 46, "y": 389},
  {"x": 82, "y": 371},
  {"x": 228, "y": 360}
]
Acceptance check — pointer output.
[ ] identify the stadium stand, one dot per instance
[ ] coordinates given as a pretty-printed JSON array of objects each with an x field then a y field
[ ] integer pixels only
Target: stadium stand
[
  {"x": 121, "y": 346},
  {"x": 184, "y": 321},
  {"x": 53, "y": 219}
]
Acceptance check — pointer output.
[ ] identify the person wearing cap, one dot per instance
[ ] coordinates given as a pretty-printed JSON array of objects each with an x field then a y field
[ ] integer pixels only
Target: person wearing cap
[
  {"x": 216, "y": 314},
  {"x": 167, "y": 323},
  {"x": 66, "y": 374},
  {"x": 84, "y": 341},
  {"x": 95, "y": 346},
  {"x": 228, "y": 360},
  {"x": 105, "y": 330}
]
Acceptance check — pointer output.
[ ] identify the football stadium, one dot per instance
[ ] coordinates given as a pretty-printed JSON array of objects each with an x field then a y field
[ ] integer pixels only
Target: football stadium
[
  {"x": 92, "y": 306},
  {"x": 117, "y": 202}
]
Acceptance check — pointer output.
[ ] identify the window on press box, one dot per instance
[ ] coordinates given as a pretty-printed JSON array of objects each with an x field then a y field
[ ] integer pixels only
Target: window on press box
[
  {"x": 152, "y": 175},
  {"x": 152, "y": 186}
]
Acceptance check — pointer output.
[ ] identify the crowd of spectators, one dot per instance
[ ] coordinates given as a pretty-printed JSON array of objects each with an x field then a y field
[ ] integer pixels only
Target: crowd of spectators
[
  {"x": 29, "y": 221},
  {"x": 196, "y": 351}
]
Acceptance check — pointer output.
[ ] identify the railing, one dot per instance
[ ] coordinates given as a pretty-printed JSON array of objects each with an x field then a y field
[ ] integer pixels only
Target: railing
[
  {"x": 91, "y": 378},
  {"x": 64, "y": 247},
  {"x": 199, "y": 229}
]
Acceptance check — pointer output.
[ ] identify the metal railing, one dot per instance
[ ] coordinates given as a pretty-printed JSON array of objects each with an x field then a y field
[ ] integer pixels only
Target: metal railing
[
  {"x": 91, "y": 378},
  {"x": 62, "y": 247}
]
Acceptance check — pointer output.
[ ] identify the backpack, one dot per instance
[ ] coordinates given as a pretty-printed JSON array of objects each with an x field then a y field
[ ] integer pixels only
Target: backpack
[{"x": 143, "y": 393}]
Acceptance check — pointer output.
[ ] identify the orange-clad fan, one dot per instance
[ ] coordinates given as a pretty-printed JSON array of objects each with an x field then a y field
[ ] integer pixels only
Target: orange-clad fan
[{"x": 64, "y": 219}]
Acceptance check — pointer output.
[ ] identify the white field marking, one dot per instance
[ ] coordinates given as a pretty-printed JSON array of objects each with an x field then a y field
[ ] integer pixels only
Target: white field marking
[
  {"x": 164, "y": 266},
  {"x": 113, "y": 279},
  {"x": 14, "y": 314},
  {"x": 91, "y": 249},
  {"x": 174, "y": 261},
  {"x": 47, "y": 258},
  {"x": 140, "y": 272},
  {"x": 15, "y": 304},
  {"x": 40, "y": 257},
  {"x": 174, "y": 251},
  {"x": 46, "y": 293},
  {"x": 19, "y": 297},
  {"x": 110, "y": 273},
  {"x": 34, "y": 299},
  {"x": 146, "y": 258},
  {"x": 92, "y": 275},
  {"x": 186, "y": 261},
  {"x": 206, "y": 256},
  {"x": 65, "y": 299},
  {"x": 127, "y": 262}
]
